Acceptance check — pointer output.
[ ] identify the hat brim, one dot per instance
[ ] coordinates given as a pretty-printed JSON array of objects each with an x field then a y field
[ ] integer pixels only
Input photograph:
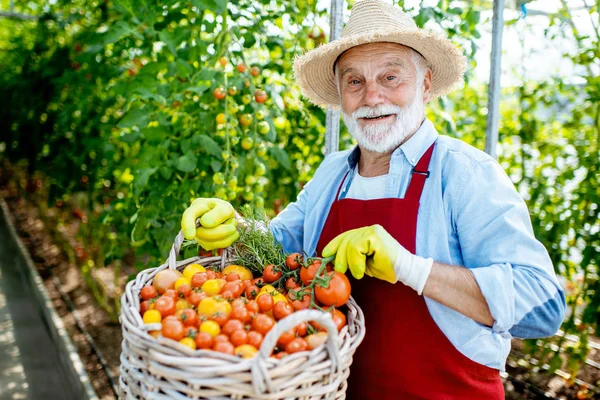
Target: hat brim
[{"x": 314, "y": 69}]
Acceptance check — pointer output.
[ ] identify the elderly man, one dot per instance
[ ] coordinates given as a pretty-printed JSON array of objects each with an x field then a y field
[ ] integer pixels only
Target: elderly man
[{"x": 439, "y": 243}]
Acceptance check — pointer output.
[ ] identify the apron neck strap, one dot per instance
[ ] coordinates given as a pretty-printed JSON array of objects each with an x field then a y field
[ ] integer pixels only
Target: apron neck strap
[{"x": 419, "y": 173}]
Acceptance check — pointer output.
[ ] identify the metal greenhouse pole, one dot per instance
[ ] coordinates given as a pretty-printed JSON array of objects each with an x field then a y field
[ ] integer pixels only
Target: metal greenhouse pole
[
  {"x": 493, "y": 117},
  {"x": 332, "y": 124}
]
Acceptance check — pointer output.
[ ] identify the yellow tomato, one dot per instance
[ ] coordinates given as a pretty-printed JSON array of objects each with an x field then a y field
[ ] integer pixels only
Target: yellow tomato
[
  {"x": 152, "y": 316},
  {"x": 210, "y": 327},
  {"x": 210, "y": 306},
  {"x": 189, "y": 342},
  {"x": 277, "y": 296},
  {"x": 246, "y": 351},
  {"x": 222, "y": 283},
  {"x": 182, "y": 304},
  {"x": 221, "y": 118},
  {"x": 211, "y": 287},
  {"x": 243, "y": 272},
  {"x": 182, "y": 281},
  {"x": 193, "y": 269}
]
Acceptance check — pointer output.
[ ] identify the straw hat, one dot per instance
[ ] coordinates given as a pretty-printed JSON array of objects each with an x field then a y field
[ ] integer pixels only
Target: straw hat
[{"x": 374, "y": 21}]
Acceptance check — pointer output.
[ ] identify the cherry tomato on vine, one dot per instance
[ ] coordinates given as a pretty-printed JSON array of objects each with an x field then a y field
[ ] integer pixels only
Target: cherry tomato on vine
[
  {"x": 241, "y": 68},
  {"x": 260, "y": 96},
  {"x": 219, "y": 93},
  {"x": 307, "y": 274},
  {"x": 246, "y": 120},
  {"x": 270, "y": 274},
  {"x": 336, "y": 293},
  {"x": 254, "y": 71},
  {"x": 262, "y": 323},
  {"x": 293, "y": 261}
]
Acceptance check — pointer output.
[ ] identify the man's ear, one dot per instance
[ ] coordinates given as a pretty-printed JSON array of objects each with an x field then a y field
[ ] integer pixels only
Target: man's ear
[{"x": 427, "y": 86}]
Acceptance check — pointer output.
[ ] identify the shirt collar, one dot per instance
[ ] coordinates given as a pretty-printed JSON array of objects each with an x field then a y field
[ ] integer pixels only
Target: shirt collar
[{"x": 412, "y": 149}]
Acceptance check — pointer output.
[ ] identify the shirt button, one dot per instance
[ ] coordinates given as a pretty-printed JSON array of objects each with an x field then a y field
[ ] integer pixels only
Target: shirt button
[{"x": 412, "y": 160}]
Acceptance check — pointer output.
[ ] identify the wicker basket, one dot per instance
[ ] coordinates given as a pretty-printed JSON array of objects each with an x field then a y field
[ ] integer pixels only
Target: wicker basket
[{"x": 164, "y": 369}]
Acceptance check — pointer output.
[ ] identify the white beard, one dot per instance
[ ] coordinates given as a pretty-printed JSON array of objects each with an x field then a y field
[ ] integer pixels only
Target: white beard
[{"x": 384, "y": 137}]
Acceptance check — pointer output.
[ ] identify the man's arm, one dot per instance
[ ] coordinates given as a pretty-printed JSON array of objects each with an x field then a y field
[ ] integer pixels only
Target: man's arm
[{"x": 456, "y": 288}]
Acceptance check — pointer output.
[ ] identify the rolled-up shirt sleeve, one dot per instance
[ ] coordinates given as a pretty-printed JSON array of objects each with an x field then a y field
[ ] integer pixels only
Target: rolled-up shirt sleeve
[{"x": 512, "y": 268}]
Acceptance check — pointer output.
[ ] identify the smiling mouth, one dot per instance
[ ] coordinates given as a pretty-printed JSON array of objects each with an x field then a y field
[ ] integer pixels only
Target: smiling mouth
[{"x": 376, "y": 118}]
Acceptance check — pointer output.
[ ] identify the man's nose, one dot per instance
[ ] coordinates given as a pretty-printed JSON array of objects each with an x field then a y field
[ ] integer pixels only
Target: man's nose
[{"x": 373, "y": 94}]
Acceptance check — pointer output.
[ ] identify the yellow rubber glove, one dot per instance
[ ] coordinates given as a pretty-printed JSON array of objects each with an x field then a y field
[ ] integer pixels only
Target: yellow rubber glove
[
  {"x": 373, "y": 251},
  {"x": 218, "y": 225}
]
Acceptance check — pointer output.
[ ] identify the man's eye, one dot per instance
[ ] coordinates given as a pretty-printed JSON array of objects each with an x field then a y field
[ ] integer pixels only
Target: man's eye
[
  {"x": 354, "y": 82},
  {"x": 390, "y": 78}
]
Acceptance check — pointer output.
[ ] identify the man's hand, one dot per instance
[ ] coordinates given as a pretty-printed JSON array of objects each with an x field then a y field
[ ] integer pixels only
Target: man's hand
[
  {"x": 373, "y": 251},
  {"x": 218, "y": 225}
]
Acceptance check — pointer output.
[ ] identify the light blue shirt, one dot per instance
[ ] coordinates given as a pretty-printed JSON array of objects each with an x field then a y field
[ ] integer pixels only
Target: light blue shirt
[{"x": 470, "y": 215}]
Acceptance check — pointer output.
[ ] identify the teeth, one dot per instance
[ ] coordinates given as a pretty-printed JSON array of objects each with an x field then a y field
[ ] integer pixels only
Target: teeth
[{"x": 381, "y": 116}]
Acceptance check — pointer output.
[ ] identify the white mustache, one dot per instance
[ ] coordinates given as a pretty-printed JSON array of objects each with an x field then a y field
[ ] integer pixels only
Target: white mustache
[{"x": 377, "y": 111}]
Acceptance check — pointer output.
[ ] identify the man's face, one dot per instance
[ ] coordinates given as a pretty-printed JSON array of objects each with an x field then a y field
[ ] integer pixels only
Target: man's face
[{"x": 382, "y": 102}]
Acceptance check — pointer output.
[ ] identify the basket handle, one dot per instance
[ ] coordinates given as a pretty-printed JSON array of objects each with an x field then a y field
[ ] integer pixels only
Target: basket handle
[
  {"x": 261, "y": 379},
  {"x": 172, "y": 260}
]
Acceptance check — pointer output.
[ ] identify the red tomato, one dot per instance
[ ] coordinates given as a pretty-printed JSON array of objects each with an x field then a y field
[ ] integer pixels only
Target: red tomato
[
  {"x": 232, "y": 325},
  {"x": 247, "y": 283},
  {"x": 282, "y": 309},
  {"x": 165, "y": 305},
  {"x": 338, "y": 291},
  {"x": 232, "y": 277},
  {"x": 339, "y": 319},
  {"x": 271, "y": 274},
  {"x": 190, "y": 331},
  {"x": 239, "y": 337},
  {"x": 204, "y": 340},
  {"x": 236, "y": 288},
  {"x": 252, "y": 291},
  {"x": 252, "y": 306},
  {"x": 285, "y": 338},
  {"x": 255, "y": 339},
  {"x": 196, "y": 297},
  {"x": 172, "y": 328},
  {"x": 189, "y": 317},
  {"x": 298, "y": 305},
  {"x": 262, "y": 324},
  {"x": 198, "y": 279},
  {"x": 221, "y": 337},
  {"x": 255, "y": 71},
  {"x": 291, "y": 284},
  {"x": 307, "y": 274},
  {"x": 301, "y": 329},
  {"x": 260, "y": 282},
  {"x": 144, "y": 306},
  {"x": 227, "y": 295},
  {"x": 296, "y": 345},
  {"x": 293, "y": 261},
  {"x": 220, "y": 93},
  {"x": 265, "y": 302},
  {"x": 171, "y": 293},
  {"x": 184, "y": 290},
  {"x": 241, "y": 68},
  {"x": 280, "y": 355},
  {"x": 240, "y": 313},
  {"x": 148, "y": 292},
  {"x": 224, "y": 347}
]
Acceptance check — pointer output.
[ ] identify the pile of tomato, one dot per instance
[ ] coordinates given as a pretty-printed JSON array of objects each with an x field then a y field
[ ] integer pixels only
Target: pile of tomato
[{"x": 231, "y": 311}]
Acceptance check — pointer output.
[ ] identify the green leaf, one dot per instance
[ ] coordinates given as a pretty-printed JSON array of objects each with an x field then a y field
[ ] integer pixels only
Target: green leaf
[
  {"x": 216, "y": 6},
  {"x": 117, "y": 31},
  {"x": 187, "y": 162},
  {"x": 199, "y": 89},
  {"x": 216, "y": 165},
  {"x": 155, "y": 134},
  {"x": 167, "y": 38},
  {"x": 135, "y": 117},
  {"x": 281, "y": 156},
  {"x": 142, "y": 177},
  {"x": 207, "y": 144},
  {"x": 184, "y": 69}
]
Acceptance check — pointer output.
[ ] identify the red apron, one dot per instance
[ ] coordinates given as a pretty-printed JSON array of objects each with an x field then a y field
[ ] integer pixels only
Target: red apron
[{"x": 404, "y": 354}]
